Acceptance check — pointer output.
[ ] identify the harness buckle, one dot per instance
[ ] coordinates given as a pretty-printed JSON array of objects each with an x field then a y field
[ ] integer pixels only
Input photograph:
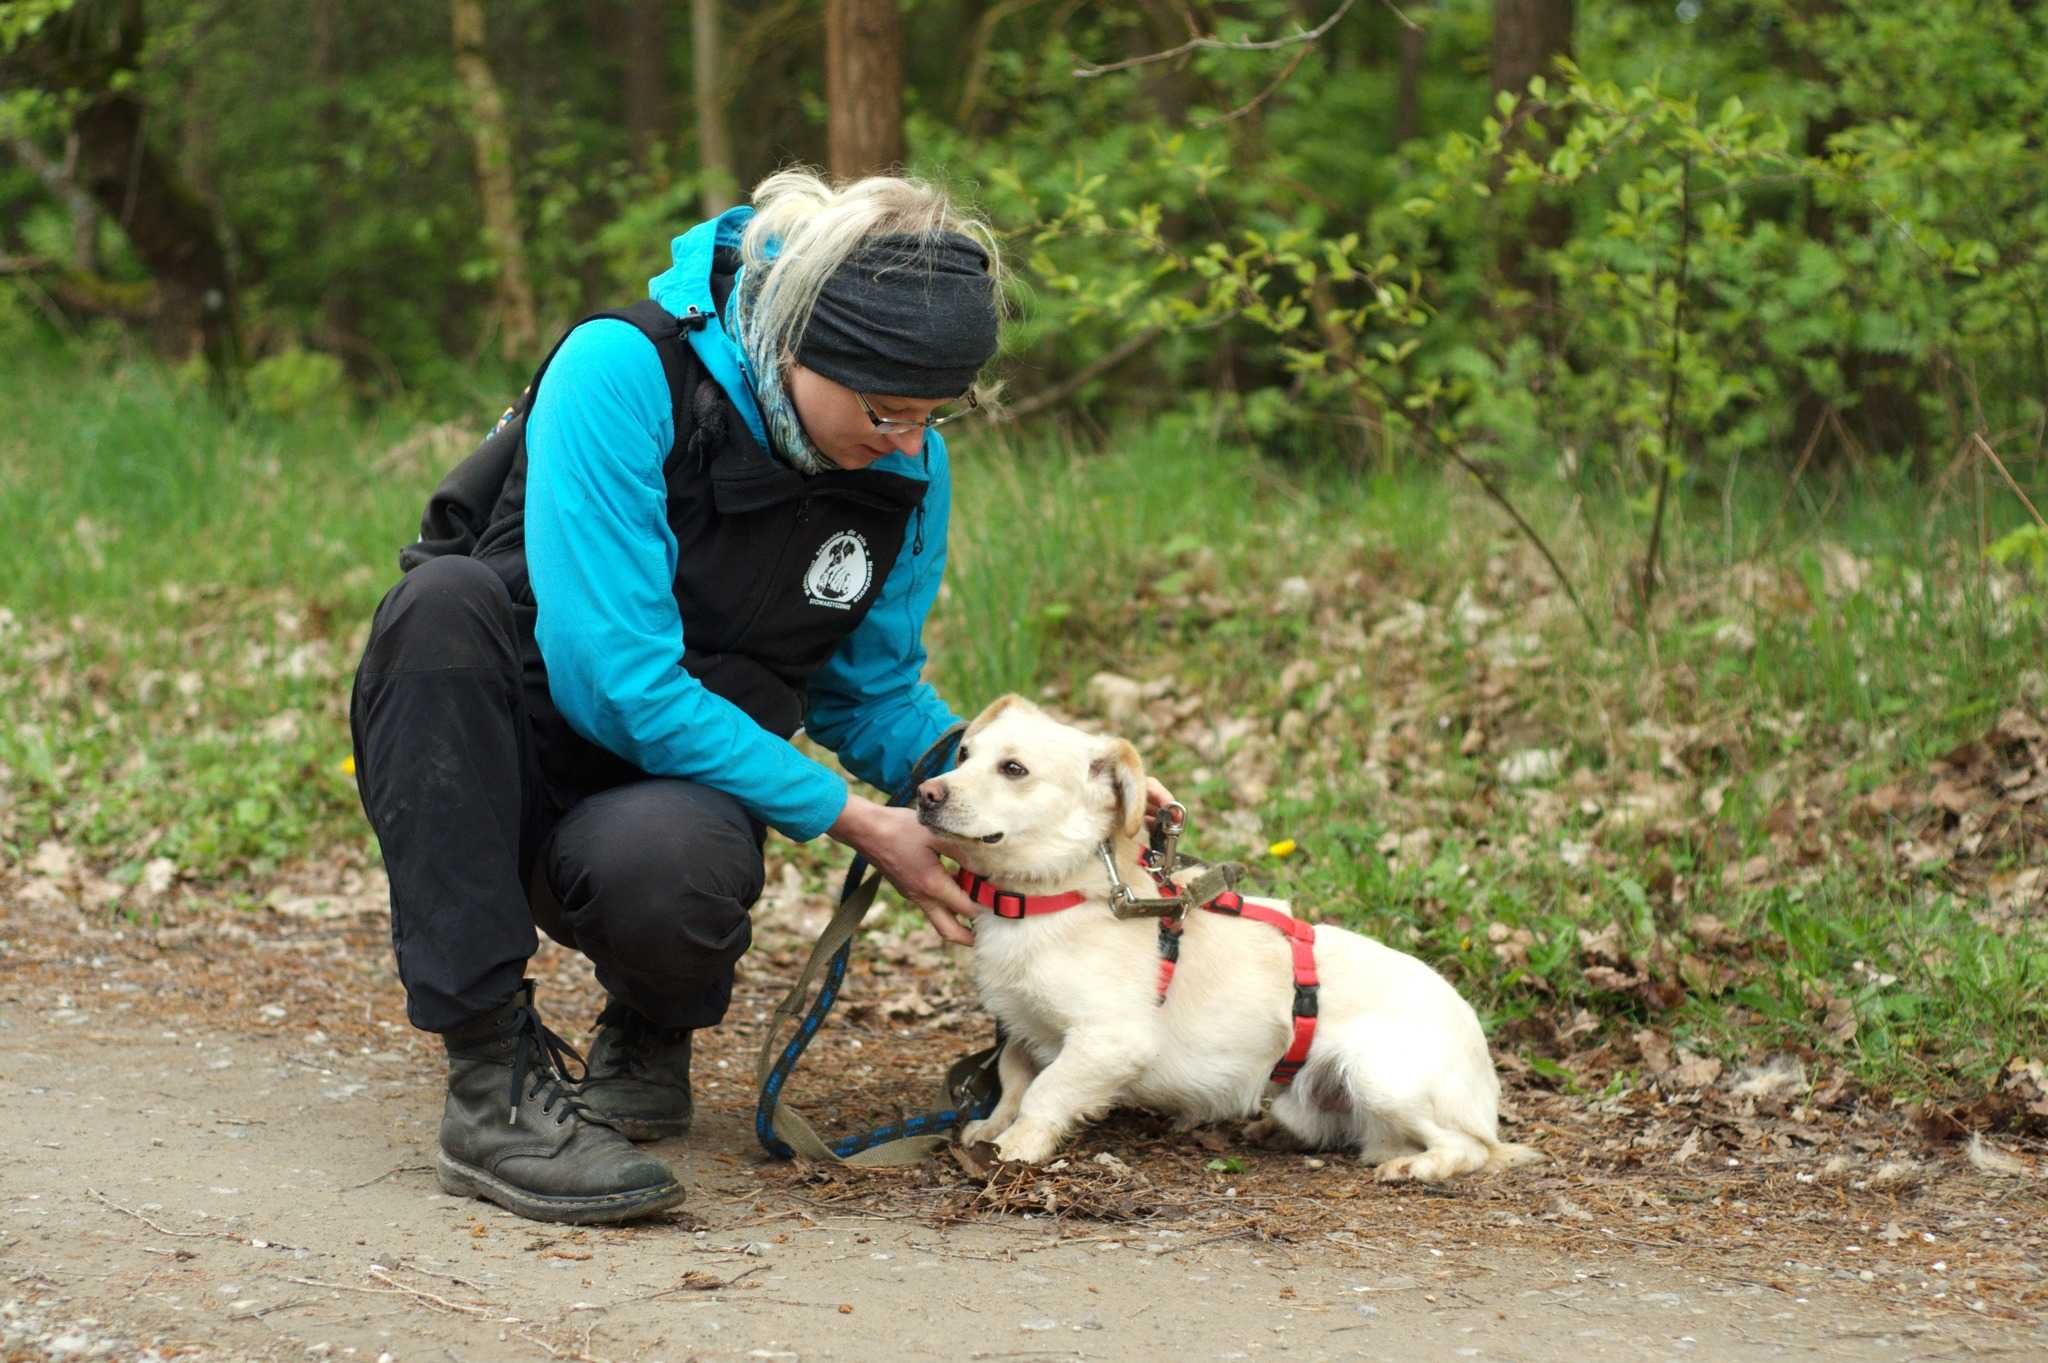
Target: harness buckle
[{"x": 1124, "y": 903}]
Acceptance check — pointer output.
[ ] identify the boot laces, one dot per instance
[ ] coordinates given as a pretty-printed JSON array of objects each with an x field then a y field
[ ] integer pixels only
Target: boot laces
[{"x": 544, "y": 1057}]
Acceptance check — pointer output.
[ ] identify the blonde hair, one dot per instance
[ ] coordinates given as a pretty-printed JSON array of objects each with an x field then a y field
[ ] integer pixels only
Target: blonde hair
[{"x": 804, "y": 227}]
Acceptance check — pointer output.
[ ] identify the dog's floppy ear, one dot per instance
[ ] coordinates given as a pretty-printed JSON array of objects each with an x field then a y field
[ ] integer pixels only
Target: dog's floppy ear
[
  {"x": 1117, "y": 762},
  {"x": 995, "y": 707}
]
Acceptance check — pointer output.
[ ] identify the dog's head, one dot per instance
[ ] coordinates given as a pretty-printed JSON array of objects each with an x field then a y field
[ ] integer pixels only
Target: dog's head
[{"x": 1032, "y": 798}]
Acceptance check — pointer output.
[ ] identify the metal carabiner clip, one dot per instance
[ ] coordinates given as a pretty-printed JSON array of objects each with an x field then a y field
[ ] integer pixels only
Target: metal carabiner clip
[
  {"x": 1125, "y": 903},
  {"x": 1167, "y": 826}
]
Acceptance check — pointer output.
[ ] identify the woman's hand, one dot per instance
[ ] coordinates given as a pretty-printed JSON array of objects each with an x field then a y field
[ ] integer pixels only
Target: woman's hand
[
  {"x": 907, "y": 855},
  {"x": 1157, "y": 797}
]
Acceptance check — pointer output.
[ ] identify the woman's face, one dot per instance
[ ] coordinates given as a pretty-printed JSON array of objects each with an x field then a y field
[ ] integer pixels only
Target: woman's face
[{"x": 833, "y": 419}]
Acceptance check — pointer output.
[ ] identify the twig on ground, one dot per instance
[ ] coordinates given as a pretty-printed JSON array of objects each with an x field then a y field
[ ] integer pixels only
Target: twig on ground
[
  {"x": 467, "y": 1308},
  {"x": 1006, "y": 1257},
  {"x": 400, "y": 1169},
  {"x": 102, "y": 1198},
  {"x": 1242, "y": 1232},
  {"x": 415, "y": 1268},
  {"x": 580, "y": 1355},
  {"x": 260, "y": 1312},
  {"x": 396, "y": 1288},
  {"x": 691, "y": 1282}
]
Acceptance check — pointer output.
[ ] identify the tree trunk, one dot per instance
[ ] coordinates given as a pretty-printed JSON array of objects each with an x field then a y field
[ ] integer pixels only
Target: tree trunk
[
  {"x": 1528, "y": 35},
  {"x": 340, "y": 297},
  {"x": 714, "y": 147},
  {"x": 87, "y": 52},
  {"x": 863, "y": 86},
  {"x": 646, "y": 85},
  {"x": 169, "y": 227},
  {"x": 491, "y": 132},
  {"x": 1408, "y": 91}
]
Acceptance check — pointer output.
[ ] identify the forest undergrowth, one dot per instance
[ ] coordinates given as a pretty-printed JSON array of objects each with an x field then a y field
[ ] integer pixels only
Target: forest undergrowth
[{"x": 1799, "y": 822}]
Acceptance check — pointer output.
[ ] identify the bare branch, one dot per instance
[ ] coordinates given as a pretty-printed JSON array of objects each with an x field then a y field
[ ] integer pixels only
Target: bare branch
[
  {"x": 1094, "y": 369},
  {"x": 1985, "y": 445},
  {"x": 1213, "y": 44},
  {"x": 1501, "y": 500},
  {"x": 1670, "y": 399},
  {"x": 1262, "y": 96}
]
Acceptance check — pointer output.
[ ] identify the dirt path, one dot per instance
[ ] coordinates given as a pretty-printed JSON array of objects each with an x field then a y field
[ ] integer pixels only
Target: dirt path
[{"x": 218, "y": 1143}]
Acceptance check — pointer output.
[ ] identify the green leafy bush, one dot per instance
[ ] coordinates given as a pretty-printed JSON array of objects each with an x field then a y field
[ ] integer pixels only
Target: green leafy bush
[{"x": 296, "y": 382}]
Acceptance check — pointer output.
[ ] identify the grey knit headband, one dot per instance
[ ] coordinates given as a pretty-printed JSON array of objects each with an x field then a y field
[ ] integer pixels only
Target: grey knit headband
[{"x": 908, "y": 314}]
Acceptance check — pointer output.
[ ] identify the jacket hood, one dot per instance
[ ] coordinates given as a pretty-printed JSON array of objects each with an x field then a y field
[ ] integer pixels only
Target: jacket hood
[{"x": 685, "y": 287}]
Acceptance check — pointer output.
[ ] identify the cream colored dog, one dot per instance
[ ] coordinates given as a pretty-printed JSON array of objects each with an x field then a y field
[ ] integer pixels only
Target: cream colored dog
[{"x": 1398, "y": 1068}]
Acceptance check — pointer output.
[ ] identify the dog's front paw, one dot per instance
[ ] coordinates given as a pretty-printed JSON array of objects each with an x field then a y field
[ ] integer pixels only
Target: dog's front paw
[
  {"x": 1268, "y": 1134},
  {"x": 1027, "y": 1141},
  {"x": 985, "y": 1129}
]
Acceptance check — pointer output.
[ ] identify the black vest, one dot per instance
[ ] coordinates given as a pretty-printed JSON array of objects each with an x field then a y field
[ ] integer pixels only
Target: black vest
[{"x": 774, "y": 568}]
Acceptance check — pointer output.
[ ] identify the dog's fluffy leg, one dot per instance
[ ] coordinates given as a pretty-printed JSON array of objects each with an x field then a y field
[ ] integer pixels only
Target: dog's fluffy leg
[
  {"x": 1412, "y": 1111},
  {"x": 1015, "y": 1069},
  {"x": 1091, "y": 1070},
  {"x": 1447, "y": 1152}
]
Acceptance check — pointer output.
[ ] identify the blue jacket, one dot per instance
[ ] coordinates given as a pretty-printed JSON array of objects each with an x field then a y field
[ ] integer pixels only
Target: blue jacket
[{"x": 602, "y": 560}]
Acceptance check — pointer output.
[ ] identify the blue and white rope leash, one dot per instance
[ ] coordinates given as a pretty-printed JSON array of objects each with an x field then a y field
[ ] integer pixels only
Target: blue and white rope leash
[{"x": 935, "y": 759}]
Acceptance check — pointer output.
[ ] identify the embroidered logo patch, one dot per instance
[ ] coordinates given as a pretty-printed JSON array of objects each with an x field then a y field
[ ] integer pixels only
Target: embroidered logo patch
[{"x": 840, "y": 574}]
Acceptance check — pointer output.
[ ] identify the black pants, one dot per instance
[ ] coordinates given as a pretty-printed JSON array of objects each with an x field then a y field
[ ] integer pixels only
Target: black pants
[{"x": 494, "y": 816}]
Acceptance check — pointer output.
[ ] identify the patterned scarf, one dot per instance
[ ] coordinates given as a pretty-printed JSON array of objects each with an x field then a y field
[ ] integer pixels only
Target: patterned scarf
[{"x": 786, "y": 434}]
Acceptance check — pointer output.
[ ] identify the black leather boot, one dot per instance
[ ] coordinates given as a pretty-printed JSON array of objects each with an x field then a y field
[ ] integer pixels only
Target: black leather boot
[
  {"x": 638, "y": 1078},
  {"x": 514, "y": 1132}
]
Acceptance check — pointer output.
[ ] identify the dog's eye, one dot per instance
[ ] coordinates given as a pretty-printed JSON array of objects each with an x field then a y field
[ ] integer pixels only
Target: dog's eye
[
  {"x": 963, "y": 752},
  {"x": 1013, "y": 769}
]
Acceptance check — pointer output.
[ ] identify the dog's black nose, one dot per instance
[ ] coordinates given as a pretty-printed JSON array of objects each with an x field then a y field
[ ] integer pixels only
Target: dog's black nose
[{"x": 931, "y": 794}]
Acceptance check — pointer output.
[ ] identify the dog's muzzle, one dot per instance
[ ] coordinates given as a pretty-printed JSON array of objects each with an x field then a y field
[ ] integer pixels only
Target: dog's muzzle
[{"x": 931, "y": 799}]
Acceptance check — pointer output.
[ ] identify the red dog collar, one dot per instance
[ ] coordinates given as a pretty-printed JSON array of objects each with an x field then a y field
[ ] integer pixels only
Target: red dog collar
[{"x": 1010, "y": 904}]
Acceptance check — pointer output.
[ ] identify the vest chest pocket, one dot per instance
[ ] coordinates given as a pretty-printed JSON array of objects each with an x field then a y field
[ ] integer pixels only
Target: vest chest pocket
[{"x": 780, "y": 567}]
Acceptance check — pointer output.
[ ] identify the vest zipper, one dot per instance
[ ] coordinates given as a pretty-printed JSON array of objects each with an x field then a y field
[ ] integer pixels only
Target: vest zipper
[{"x": 917, "y": 542}]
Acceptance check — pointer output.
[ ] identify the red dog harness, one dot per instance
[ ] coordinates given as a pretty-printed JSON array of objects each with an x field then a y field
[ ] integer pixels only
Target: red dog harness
[{"x": 1301, "y": 939}]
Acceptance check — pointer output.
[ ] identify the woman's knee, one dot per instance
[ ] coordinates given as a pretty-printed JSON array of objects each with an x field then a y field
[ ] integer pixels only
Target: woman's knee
[
  {"x": 648, "y": 871},
  {"x": 449, "y": 612}
]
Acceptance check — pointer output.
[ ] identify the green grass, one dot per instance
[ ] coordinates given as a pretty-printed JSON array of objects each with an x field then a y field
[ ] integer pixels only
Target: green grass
[{"x": 189, "y": 594}]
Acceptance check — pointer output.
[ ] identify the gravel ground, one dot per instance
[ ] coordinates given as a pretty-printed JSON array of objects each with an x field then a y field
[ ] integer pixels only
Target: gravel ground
[{"x": 221, "y": 1132}]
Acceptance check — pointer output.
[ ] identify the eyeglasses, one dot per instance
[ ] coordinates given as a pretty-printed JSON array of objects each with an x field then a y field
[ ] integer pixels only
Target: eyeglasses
[{"x": 893, "y": 426}]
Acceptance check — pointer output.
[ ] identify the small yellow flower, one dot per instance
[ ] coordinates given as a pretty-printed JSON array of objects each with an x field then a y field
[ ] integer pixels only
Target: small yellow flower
[
  {"x": 348, "y": 765},
  {"x": 1283, "y": 848}
]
